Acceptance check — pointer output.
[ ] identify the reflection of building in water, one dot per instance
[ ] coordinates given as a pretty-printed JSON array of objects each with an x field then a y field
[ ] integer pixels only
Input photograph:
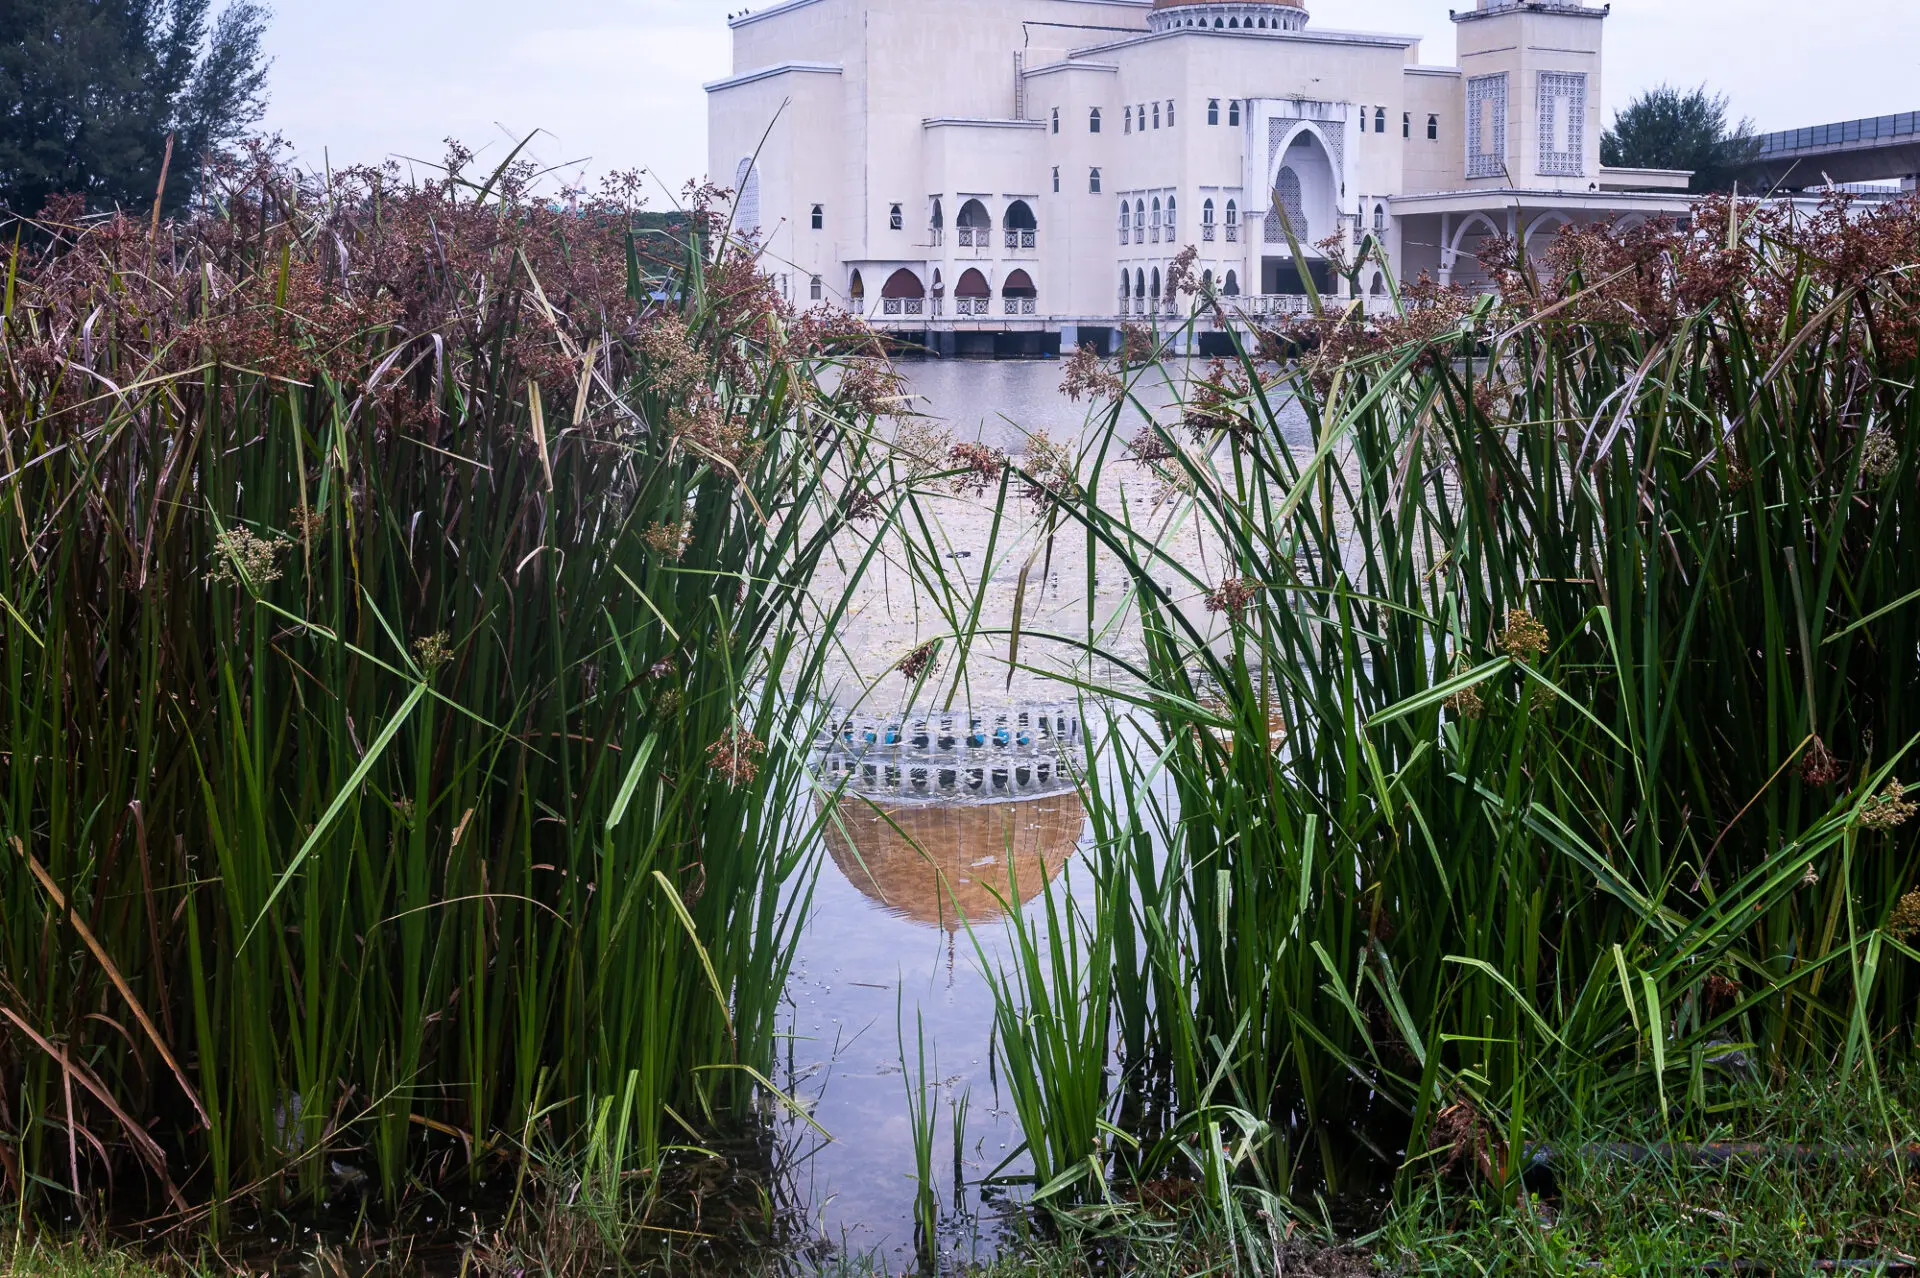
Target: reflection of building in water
[
  {"x": 945, "y": 863},
  {"x": 1002, "y": 754}
]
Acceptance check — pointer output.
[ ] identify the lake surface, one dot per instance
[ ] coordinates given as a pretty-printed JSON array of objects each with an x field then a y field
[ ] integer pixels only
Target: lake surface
[{"x": 883, "y": 945}]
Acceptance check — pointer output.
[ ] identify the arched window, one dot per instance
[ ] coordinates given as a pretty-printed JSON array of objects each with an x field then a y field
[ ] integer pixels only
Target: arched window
[
  {"x": 1126, "y": 285},
  {"x": 1213, "y": 110},
  {"x": 1170, "y": 217},
  {"x": 1379, "y": 218},
  {"x": 818, "y": 217},
  {"x": 1206, "y": 213},
  {"x": 1056, "y": 179},
  {"x": 1156, "y": 220},
  {"x": 813, "y": 288},
  {"x": 1287, "y": 194},
  {"x": 903, "y": 294},
  {"x": 1056, "y": 119},
  {"x": 1139, "y": 282},
  {"x": 746, "y": 205},
  {"x": 1156, "y": 283},
  {"x": 1232, "y": 288},
  {"x": 1126, "y": 222},
  {"x": 1379, "y": 284},
  {"x": 1127, "y": 118},
  {"x": 1093, "y": 120},
  {"x": 1233, "y": 213},
  {"x": 1019, "y": 293},
  {"x": 1169, "y": 113},
  {"x": 1218, "y": 24},
  {"x": 1156, "y": 115},
  {"x": 1139, "y": 221},
  {"x": 1379, "y": 119},
  {"x": 1433, "y": 128},
  {"x": 1406, "y": 124},
  {"x": 1021, "y": 226},
  {"x": 1206, "y": 280},
  {"x": 1093, "y": 181},
  {"x": 971, "y": 293},
  {"x": 939, "y": 219},
  {"x": 976, "y": 228},
  {"x": 1233, "y": 24},
  {"x": 1233, "y": 111},
  {"x": 857, "y": 288},
  {"x": 895, "y": 218}
]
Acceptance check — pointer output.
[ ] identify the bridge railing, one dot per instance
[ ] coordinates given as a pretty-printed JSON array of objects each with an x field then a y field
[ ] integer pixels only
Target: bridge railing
[{"x": 1872, "y": 129}]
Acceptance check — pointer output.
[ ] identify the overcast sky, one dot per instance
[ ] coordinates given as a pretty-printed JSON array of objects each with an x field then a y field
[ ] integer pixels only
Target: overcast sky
[{"x": 615, "y": 84}]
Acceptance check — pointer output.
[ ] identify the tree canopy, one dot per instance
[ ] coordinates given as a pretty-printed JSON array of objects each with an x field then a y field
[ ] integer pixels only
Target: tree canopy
[
  {"x": 1670, "y": 128},
  {"x": 90, "y": 90}
]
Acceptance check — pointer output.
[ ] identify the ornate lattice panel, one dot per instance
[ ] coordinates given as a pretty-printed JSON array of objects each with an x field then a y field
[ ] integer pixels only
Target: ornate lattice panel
[
  {"x": 1286, "y": 189},
  {"x": 1487, "y": 126},
  {"x": 1563, "y": 123}
]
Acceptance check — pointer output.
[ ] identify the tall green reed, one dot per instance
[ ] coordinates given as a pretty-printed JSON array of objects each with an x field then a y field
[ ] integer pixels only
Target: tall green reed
[
  {"x": 409, "y": 663},
  {"x": 1538, "y": 740}
]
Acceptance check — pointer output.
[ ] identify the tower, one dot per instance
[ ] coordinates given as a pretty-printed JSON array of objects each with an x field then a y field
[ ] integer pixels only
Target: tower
[{"x": 1532, "y": 85}]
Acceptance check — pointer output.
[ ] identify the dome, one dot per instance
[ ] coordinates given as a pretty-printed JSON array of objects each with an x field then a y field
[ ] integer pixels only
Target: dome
[
  {"x": 947, "y": 864},
  {"x": 1228, "y": 15}
]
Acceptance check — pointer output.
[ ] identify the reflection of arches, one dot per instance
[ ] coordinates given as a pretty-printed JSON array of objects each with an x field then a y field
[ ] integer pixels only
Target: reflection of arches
[
  {"x": 1018, "y": 284},
  {"x": 856, "y": 287},
  {"x": 1020, "y": 217},
  {"x": 1233, "y": 284},
  {"x": 951, "y": 864},
  {"x": 973, "y": 214},
  {"x": 903, "y": 283}
]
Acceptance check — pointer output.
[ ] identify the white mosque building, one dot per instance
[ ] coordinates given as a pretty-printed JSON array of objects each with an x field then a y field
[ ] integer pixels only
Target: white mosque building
[{"x": 1002, "y": 175}]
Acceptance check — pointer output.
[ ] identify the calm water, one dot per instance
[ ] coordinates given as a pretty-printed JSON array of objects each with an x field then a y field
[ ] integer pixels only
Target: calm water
[{"x": 882, "y": 944}]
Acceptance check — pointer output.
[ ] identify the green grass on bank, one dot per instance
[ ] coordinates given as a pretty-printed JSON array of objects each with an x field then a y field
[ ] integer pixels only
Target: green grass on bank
[{"x": 1593, "y": 1216}]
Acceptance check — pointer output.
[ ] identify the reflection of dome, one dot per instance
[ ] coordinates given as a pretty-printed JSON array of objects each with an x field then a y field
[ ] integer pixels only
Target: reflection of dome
[
  {"x": 1228, "y": 15},
  {"x": 969, "y": 845}
]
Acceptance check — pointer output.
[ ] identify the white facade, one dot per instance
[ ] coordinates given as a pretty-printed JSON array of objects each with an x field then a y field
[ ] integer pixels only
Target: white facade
[{"x": 1036, "y": 164}]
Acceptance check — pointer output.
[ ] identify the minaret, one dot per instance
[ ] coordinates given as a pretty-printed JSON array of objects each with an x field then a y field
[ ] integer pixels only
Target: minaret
[{"x": 1532, "y": 81}]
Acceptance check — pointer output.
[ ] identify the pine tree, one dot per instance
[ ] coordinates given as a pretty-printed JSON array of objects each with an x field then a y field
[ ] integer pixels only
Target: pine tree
[
  {"x": 90, "y": 91},
  {"x": 1669, "y": 128}
]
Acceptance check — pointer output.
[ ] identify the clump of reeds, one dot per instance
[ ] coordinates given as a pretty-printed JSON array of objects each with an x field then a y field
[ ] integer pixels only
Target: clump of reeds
[
  {"x": 1571, "y": 582},
  {"x": 406, "y": 670}
]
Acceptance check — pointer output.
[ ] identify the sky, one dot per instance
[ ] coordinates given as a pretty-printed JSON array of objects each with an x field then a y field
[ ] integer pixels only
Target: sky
[{"x": 615, "y": 84}]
